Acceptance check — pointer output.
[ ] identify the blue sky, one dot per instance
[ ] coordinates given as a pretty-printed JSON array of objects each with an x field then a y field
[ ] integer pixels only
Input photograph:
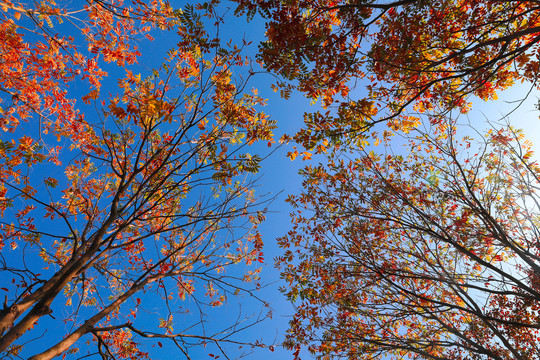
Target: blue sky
[{"x": 278, "y": 176}]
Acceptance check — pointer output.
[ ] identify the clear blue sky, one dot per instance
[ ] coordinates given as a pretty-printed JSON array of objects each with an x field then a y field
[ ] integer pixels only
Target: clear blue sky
[{"x": 278, "y": 176}]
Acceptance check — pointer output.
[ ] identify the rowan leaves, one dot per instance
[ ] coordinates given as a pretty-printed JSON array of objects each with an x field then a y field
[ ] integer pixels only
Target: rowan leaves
[
  {"x": 135, "y": 201},
  {"x": 408, "y": 254},
  {"x": 404, "y": 54}
]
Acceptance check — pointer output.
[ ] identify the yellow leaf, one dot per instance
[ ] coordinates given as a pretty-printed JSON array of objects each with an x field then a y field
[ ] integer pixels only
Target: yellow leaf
[{"x": 293, "y": 155}]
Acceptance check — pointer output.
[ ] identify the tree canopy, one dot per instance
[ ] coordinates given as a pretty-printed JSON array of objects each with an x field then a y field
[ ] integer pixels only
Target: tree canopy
[
  {"x": 428, "y": 251},
  {"x": 127, "y": 194},
  {"x": 410, "y": 54},
  {"x": 117, "y": 208}
]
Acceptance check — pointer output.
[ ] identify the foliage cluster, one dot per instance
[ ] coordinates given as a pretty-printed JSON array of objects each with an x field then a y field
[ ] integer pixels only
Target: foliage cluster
[
  {"x": 149, "y": 197},
  {"x": 415, "y": 236}
]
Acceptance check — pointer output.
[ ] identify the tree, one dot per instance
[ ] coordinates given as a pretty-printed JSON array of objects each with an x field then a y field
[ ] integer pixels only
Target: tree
[
  {"x": 149, "y": 198},
  {"x": 427, "y": 253},
  {"x": 408, "y": 53}
]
